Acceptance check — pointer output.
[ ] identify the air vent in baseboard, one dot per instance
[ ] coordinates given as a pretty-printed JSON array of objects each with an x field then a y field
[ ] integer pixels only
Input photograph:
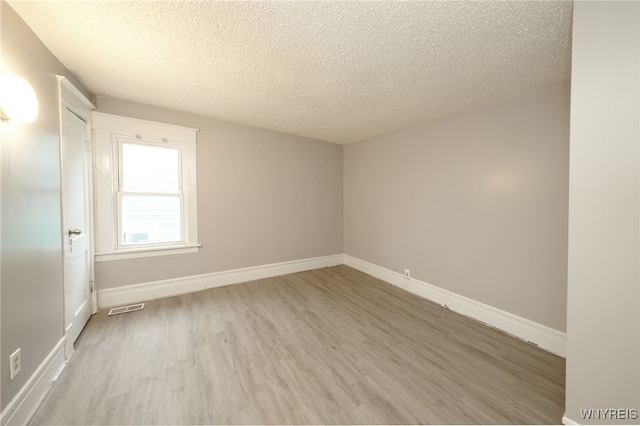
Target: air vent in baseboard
[{"x": 125, "y": 309}]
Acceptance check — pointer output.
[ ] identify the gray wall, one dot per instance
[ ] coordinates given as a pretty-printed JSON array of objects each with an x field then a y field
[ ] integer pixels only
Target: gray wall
[
  {"x": 31, "y": 255},
  {"x": 603, "y": 342},
  {"x": 475, "y": 203},
  {"x": 263, "y": 197}
]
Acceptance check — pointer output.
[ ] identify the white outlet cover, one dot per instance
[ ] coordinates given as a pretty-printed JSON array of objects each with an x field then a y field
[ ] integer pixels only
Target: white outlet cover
[{"x": 15, "y": 364}]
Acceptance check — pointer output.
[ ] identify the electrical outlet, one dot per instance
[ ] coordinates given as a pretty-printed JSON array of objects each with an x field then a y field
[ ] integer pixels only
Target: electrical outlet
[
  {"x": 407, "y": 273},
  {"x": 15, "y": 364}
]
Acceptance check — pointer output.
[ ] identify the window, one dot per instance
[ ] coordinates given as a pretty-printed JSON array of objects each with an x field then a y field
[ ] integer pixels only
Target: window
[
  {"x": 145, "y": 188},
  {"x": 150, "y": 194}
]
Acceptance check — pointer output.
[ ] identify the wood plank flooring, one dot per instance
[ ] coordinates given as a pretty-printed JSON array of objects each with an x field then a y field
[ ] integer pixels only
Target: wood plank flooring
[{"x": 330, "y": 346}]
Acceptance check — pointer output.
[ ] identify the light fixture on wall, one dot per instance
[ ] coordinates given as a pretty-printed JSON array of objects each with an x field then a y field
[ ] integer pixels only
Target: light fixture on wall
[{"x": 18, "y": 101}]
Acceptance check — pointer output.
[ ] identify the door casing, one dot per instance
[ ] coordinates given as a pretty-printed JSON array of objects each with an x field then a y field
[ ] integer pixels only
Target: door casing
[{"x": 72, "y": 99}]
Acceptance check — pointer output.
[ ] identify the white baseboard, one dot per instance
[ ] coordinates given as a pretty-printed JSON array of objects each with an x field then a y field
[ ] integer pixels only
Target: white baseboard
[
  {"x": 545, "y": 337},
  {"x": 135, "y": 293},
  {"x": 24, "y": 405},
  {"x": 567, "y": 421}
]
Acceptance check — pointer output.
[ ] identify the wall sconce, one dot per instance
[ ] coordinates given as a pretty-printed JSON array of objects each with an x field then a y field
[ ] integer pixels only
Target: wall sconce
[{"x": 18, "y": 101}]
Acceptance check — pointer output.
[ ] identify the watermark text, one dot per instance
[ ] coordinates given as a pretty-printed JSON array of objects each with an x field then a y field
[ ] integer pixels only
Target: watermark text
[{"x": 609, "y": 413}]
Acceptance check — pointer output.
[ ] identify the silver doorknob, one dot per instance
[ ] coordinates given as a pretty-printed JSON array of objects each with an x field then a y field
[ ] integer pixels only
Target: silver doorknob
[{"x": 74, "y": 232}]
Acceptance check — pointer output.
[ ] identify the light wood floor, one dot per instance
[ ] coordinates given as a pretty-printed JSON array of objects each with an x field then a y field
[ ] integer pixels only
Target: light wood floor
[{"x": 327, "y": 346}]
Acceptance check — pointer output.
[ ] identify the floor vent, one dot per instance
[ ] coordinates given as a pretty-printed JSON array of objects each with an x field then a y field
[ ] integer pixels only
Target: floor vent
[{"x": 125, "y": 309}]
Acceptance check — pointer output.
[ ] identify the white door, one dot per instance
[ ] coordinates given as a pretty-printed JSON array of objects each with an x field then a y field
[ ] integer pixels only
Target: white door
[{"x": 76, "y": 224}]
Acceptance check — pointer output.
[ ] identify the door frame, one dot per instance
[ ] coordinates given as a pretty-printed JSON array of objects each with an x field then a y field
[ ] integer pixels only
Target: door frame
[{"x": 74, "y": 100}]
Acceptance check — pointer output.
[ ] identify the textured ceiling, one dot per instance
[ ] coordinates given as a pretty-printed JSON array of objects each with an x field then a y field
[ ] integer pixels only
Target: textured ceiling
[{"x": 339, "y": 71}]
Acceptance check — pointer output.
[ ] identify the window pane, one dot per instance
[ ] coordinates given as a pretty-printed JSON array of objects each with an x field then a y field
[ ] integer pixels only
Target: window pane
[
  {"x": 147, "y": 168},
  {"x": 149, "y": 219}
]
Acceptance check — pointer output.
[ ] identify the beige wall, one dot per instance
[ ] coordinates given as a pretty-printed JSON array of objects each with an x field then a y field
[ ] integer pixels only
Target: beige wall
[
  {"x": 263, "y": 197},
  {"x": 603, "y": 339},
  {"x": 475, "y": 203},
  {"x": 31, "y": 255}
]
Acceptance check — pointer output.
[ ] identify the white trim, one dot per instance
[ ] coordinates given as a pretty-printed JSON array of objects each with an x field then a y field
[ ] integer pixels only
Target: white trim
[
  {"x": 108, "y": 129},
  {"x": 74, "y": 97},
  {"x": 146, "y": 252},
  {"x": 144, "y": 128},
  {"x": 24, "y": 405},
  {"x": 545, "y": 337},
  {"x": 567, "y": 421},
  {"x": 126, "y": 295}
]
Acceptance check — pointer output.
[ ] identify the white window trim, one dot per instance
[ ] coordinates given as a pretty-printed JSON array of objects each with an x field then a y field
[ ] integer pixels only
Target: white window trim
[{"x": 108, "y": 129}]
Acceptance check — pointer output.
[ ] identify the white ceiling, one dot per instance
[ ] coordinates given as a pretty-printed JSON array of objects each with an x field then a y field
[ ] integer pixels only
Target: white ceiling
[{"x": 339, "y": 71}]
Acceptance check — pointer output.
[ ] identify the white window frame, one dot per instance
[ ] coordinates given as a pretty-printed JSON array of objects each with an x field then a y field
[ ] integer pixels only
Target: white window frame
[
  {"x": 110, "y": 131},
  {"x": 120, "y": 245}
]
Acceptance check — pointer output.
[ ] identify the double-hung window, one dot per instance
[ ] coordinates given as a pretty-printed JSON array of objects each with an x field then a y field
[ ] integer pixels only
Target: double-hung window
[
  {"x": 150, "y": 197},
  {"x": 146, "y": 195}
]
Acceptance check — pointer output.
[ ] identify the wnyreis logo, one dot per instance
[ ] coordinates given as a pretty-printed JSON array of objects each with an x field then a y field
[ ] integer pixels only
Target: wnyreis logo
[{"x": 609, "y": 413}]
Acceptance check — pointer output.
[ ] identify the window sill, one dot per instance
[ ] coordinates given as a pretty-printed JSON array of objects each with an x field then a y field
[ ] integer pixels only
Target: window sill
[{"x": 146, "y": 252}]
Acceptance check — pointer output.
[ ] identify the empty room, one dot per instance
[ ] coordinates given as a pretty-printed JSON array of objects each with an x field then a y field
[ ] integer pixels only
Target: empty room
[{"x": 319, "y": 212}]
